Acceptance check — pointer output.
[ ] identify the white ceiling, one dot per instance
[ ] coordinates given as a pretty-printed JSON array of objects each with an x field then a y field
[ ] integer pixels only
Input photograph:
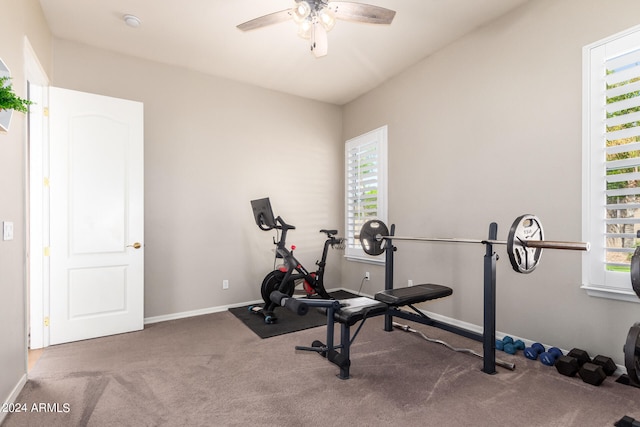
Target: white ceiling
[{"x": 201, "y": 35}]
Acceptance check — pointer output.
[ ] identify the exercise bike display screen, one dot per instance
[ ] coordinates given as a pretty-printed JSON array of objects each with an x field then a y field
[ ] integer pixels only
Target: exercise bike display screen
[{"x": 263, "y": 213}]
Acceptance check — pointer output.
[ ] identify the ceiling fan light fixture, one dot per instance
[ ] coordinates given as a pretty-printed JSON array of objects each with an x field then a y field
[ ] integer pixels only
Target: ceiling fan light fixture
[
  {"x": 301, "y": 11},
  {"x": 304, "y": 29},
  {"x": 317, "y": 17},
  {"x": 319, "y": 45},
  {"x": 327, "y": 19}
]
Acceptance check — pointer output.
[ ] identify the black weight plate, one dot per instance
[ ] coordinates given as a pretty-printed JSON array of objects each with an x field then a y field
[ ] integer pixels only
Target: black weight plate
[
  {"x": 524, "y": 259},
  {"x": 371, "y": 237},
  {"x": 632, "y": 354},
  {"x": 635, "y": 271}
]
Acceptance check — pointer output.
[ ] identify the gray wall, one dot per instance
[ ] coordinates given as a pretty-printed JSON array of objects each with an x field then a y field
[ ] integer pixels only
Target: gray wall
[
  {"x": 19, "y": 18},
  {"x": 212, "y": 145},
  {"x": 485, "y": 130}
]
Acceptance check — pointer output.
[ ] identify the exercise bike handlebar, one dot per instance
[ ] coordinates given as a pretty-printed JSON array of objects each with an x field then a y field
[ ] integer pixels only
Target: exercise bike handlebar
[
  {"x": 283, "y": 225},
  {"x": 293, "y": 304}
]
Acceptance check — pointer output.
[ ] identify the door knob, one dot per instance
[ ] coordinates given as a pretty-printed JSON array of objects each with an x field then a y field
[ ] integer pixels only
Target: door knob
[{"x": 136, "y": 245}]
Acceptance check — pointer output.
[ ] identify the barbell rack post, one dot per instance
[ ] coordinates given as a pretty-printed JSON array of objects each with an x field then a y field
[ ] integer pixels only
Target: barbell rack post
[
  {"x": 388, "y": 275},
  {"x": 489, "y": 327}
]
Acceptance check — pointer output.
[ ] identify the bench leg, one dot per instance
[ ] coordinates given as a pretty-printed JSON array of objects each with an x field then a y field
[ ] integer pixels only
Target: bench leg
[{"x": 342, "y": 359}]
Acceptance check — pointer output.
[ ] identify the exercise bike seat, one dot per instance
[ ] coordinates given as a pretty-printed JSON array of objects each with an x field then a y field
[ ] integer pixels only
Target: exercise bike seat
[
  {"x": 353, "y": 310},
  {"x": 329, "y": 232},
  {"x": 413, "y": 295}
]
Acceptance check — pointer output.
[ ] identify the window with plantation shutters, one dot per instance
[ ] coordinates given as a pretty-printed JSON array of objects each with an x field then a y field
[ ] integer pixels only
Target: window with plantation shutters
[
  {"x": 611, "y": 215},
  {"x": 365, "y": 187}
]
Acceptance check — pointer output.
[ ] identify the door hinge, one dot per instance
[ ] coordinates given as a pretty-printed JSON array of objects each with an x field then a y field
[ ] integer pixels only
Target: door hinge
[
  {"x": 46, "y": 321},
  {"x": 45, "y": 111},
  {"x": 46, "y": 181},
  {"x": 46, "y": 251}
]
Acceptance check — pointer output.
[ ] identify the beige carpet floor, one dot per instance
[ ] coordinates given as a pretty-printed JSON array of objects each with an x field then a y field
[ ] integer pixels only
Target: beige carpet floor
[{"x": 212, "y": 370}]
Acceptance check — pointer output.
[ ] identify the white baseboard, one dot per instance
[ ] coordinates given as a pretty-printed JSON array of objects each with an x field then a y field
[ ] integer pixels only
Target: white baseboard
[
  {"x": 209, "y": 310},
  {"x": 200, "y": 312},
  {"x": 13, "y": 396}
]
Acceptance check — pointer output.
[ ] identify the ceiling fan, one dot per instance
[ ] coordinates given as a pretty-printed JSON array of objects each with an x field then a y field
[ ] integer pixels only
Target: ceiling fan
[{"x": 316, "y": 17}]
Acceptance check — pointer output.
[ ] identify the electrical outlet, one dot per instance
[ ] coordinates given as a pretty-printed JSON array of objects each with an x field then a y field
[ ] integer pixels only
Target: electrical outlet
[
  {"x": 409, "y": 282},
  {"x": 225, "y": 284},
  {"x": 7, "y": 230},
  {"x": 366, "y": 275}
]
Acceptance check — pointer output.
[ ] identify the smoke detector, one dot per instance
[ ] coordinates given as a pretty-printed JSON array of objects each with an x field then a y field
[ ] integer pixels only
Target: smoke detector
[{"x": 132, "y": 21}]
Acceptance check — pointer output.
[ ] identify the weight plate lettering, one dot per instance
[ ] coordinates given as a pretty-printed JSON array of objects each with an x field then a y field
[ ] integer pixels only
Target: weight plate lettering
[{"x": 524, "y": 259}]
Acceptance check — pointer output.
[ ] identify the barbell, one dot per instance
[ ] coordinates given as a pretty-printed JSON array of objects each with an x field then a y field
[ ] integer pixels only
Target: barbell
[{"x": 524, "y": 243}]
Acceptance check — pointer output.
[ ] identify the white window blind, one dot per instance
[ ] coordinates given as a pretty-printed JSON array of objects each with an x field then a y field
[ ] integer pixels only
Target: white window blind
[
  {"x": 612, "y": 163},
  {"x": 366, "y": 187}
]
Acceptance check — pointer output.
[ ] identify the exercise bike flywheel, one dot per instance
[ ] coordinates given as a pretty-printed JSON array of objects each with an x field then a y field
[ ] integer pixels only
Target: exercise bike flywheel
[
  {"x": 632, "y": 355},
  {"x": 272, "y": 283}
]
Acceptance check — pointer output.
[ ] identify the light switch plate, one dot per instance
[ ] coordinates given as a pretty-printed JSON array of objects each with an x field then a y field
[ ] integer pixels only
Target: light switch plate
[{"x": 7, "y": 230}]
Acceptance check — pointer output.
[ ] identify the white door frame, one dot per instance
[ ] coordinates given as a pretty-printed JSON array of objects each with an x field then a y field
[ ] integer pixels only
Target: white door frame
[{"x": 37, "y": 203}]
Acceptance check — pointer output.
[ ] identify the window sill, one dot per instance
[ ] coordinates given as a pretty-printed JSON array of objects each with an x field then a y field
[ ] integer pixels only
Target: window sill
[
  {"x": 377, "y": 261},
  {"x": 611, "y": 293}
]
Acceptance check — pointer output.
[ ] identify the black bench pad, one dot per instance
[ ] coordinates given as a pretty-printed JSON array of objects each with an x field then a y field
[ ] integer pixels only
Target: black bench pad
[
  {"x": 353, "y": 310},
  {"x": 413, "y": 295}
]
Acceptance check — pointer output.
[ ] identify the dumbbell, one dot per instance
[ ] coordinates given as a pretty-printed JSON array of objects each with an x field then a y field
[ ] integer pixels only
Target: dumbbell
[
  {"x": 534, "y": 351},
  {"x": 550, "y": 356},
  {"x": 500, "y": 343},
  {"x": 627, "y": 421},
  {"x": 570, "y": 364},
  {"x": 607, "y": 363},
  {"x": 592, "y": 372},
  {"x": 596, "y": 371},
  {"x": 508, "y": 345}
]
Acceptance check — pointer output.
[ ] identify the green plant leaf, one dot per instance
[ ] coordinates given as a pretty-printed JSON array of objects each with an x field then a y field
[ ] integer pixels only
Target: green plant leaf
[{"x": 9, "y": 100}]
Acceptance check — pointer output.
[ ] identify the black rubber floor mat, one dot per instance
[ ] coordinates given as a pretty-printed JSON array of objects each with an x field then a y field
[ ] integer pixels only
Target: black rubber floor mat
[{"x": 287, "y": 321}]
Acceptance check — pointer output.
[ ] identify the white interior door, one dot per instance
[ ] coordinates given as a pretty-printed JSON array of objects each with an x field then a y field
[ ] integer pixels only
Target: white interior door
[{"x": 96, "y": 199}]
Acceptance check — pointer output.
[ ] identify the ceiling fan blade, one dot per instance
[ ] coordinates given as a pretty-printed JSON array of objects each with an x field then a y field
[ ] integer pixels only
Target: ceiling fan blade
[
  {"x": 319, "y": 42},
  {"x": 360, "y": 12},
  {"x": 263, "y": 21}
]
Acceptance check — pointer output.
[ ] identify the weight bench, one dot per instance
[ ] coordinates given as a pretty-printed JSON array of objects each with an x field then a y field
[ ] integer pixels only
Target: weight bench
[
  {"x": 389, "y": 303},
  {"x": 349, "y": 312}
]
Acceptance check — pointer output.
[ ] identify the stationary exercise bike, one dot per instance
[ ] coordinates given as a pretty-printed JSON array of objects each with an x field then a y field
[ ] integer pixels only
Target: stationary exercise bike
[{"x": 291, "y": 272}]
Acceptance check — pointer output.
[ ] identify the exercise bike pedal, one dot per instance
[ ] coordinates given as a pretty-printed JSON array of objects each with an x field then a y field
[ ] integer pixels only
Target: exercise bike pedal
[{"x": 270, "y": 318}]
